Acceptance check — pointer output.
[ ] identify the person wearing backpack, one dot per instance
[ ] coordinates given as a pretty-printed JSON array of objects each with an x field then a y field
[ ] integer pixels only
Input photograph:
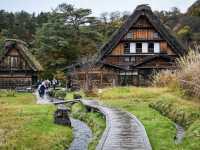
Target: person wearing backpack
[{"x": 41, "y": 89}]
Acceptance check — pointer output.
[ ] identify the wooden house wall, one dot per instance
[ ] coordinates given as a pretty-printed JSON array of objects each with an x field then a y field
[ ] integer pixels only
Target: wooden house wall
[
  {"x": 142, "y": 22},
  {"x": 136, "y": 70},
  {"x": 97, "y": 77},
  {"x": 143, "y": 34},
  {"x": 158, "y": 63},
  {"x": 15, "y": 71},
  {"x": 14, "y": 61},
  {"x": 118, "y": 50},
  {"x": 143, "y": 31},
  {"x": 11, "y": 82},
  {"x": 164, "y": 47}
]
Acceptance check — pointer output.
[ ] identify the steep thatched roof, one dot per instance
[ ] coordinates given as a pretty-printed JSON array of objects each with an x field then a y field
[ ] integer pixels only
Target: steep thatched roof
[
  {"x": 142, "y": 10},
  {"x": 21, "y": 46}
]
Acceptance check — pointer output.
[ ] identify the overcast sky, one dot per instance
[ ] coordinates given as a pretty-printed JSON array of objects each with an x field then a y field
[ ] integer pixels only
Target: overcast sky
[{"x": 97, "y": 6}]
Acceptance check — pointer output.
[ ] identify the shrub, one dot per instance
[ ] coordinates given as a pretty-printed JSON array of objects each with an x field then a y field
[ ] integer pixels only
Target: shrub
[
  {"x": 60, "y": 94},
  {"x": 186, "y": 77},
  {"x": 10, "y": 93},
  {"x": 1, "y": 93},
  {"x": 184, "y": 117},
  {"x": 189, "y": 73},
  {"x": 52, "y": 93},
  {"x": 91, "y": 93},
  {"x": 165, "y": 78}
]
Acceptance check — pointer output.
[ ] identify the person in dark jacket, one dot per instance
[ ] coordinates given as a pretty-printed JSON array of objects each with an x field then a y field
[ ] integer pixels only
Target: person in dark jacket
[{"x": 41, "y": 89}]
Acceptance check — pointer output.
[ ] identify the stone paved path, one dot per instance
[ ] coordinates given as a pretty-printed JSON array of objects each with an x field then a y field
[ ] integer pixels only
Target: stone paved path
[
  {"x": 123, "y": 130},
  {"x": 82, "y": 135}
]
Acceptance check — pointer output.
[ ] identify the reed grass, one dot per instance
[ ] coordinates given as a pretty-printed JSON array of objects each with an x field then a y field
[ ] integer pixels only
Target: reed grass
[{"x": 186, "y": 77}]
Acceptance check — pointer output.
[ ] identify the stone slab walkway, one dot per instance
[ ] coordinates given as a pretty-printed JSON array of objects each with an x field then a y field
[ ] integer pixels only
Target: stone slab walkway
[{"x": 123, "y": 130}]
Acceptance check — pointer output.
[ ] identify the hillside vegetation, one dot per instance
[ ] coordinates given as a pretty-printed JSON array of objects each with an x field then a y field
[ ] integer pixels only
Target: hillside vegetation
[{"x": 194, "y": 10}]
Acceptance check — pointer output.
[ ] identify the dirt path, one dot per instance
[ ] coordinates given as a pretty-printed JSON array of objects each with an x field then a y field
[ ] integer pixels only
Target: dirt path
[{"x": 123, "y": 130}]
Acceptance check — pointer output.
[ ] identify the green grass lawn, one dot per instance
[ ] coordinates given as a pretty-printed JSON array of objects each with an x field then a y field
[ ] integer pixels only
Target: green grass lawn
[
  {"x": 26, "y": 125},
  {"x": 160, "y": 129}
]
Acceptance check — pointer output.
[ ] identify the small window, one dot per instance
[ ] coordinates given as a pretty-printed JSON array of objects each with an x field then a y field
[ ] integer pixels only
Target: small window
[
  {"x": 144, "y": 47},
  {"x": 151, "y": 48},
  {"x": 138, "y": 47},
  {"x": 132, "y": 48},
  {"x": 126, "y": 48},
  {"x": 129, "y": 35},
  {"x": 13, "y": 62},
  {"x": 156, "y": 47},
  {"x": 126, "y": 59},
  {"x": 132, "y": 59},
  {"x": 155, "y": 35}
]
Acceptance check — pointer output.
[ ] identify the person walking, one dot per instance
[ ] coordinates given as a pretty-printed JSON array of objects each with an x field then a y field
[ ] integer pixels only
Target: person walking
[
  {"x": 41, "y": 89},
  {"x": 54, "y": 83}
]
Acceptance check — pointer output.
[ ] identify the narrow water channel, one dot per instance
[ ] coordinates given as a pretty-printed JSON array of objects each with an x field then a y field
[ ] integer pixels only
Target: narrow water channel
[
  {"x": 180, "y": 132},
  {"x": 82, "y": 135}
]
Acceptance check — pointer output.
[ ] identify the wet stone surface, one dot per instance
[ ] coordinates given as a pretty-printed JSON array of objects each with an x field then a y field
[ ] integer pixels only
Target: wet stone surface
[{"x": 82, "y": 135}]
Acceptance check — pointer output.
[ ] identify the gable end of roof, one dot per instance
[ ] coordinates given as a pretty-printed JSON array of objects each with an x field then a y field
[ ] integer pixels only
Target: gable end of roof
[{"x": 144, "y": 10}]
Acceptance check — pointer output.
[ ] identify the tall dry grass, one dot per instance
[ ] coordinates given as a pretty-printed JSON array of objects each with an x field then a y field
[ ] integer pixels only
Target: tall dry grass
[
  {"x": 186, "y": 77},
  {"x": 189, "y": 73},
  {"x": 165, "y": 78}
]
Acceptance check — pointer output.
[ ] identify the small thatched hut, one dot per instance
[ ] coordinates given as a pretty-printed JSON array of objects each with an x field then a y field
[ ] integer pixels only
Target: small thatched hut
[{"x": 18, "y": 67}]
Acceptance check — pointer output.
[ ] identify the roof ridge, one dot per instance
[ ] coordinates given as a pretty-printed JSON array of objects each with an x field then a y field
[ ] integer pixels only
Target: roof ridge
[
  {"x": 143, "y": 7},
  {"x": 153, "y": 19}
]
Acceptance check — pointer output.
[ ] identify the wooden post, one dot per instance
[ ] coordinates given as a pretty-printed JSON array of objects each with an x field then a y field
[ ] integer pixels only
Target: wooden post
[
  {"x": 101, "y": 78},
  {"x": 138, "y": 78}
]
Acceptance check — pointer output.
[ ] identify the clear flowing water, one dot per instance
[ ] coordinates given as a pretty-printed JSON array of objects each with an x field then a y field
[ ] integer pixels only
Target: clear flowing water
[
  {"x": 42, "y": 100},
  {"x": 82, "y": 135},
  {"x": 180, "y": 132}
]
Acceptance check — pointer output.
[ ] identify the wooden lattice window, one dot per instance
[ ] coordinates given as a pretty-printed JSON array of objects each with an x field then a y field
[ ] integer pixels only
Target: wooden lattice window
[
  {"x": 126, "y": 48},
  {"x": 126, "y": 59},
  {"x": 151, "y": 47},
  {"x": 155, "y": 35},
  {"x": 14, "y": 62},
  {"x": 138, "y": 47},
  {"x": 132, "y": 59}
]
